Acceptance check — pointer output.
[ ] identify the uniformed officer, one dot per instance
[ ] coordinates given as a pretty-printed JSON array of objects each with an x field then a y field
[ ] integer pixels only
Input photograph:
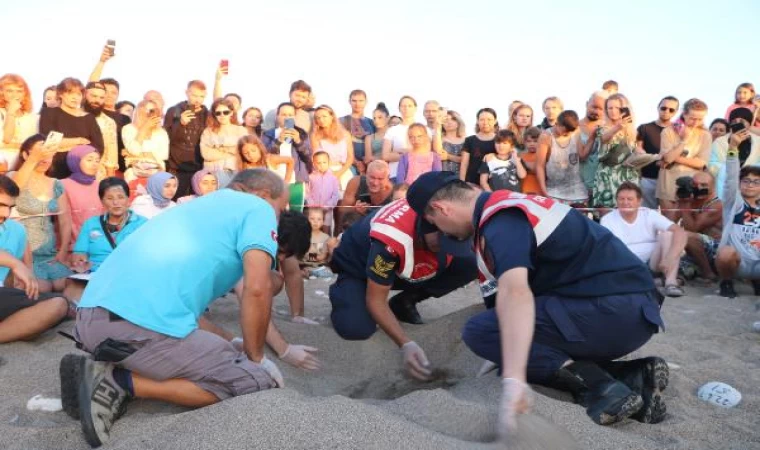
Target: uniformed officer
[
  {"x": 570, "y": 298},
  {"x": 389, "y": 249}
]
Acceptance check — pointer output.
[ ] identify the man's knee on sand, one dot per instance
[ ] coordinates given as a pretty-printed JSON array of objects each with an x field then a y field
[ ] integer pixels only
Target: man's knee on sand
[{"x": 29, "y": 318}]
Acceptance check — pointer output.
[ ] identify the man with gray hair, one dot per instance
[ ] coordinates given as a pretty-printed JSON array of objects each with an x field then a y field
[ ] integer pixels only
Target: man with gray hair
[
  {"x": 141, "y": 316},
  {"x": 367, "y": 191}
]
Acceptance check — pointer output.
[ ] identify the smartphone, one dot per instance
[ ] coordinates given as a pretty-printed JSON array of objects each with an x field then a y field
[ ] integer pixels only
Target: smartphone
[
  {"x": 290, "y": 123},
  {"x": 625, "y": 111},
  {"x": 111, "y": 44},
  {"x": 737, "y": 127},
  {"x": 364, "y": 198},
  {"x": 225, "y": 65},
  {"x": 53, "y": 138}
]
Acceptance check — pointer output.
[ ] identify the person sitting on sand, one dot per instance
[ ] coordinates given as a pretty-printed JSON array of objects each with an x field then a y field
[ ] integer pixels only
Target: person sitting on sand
[
  {"x": 321, "y": 242},
  {"x": 166, "y": 350},
  {"x": 24, "y": 313},
  {"x": 739, "y": 253},
  {"x": 387, "y": 250},
  {"x": 569, "y": 299},
  {"x": 652, "y": 237}
]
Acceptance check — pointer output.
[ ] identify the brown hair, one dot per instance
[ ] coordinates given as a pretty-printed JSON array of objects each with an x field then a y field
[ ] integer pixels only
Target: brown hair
[
  {"x": 198, "y": 84},
  {"x": 300, "y": 85},
  {"x": 255, "y": 141},
  {"x": 630, "y": 186},
  {"x": 68, "y": 85},
  {"x": 334, "y": 133},
  {"x": 212, "y": 122}
]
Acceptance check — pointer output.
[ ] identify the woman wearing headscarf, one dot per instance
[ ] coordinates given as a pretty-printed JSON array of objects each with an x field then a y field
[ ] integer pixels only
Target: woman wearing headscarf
[
  {"x": 81, "y": 189},
  {"x": 162, "y": 187},
  {"x": 203, "y": 182},
  {"x": 101, "y": 234}
]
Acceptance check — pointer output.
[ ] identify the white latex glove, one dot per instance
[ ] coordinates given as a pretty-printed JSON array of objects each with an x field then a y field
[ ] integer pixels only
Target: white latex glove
[
  {"x": 273, "y": 371},
  {"x": 301, "y": 356},
  {"x": 416, "y": 363},
  {"x": 516, "y": 398}
]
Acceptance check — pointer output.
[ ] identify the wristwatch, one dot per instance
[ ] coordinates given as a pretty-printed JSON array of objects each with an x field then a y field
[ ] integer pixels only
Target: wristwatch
[{"x": 732, "y": 152}]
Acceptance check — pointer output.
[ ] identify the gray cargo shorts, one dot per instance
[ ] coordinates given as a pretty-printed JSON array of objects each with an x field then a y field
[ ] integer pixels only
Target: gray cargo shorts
[{"x": 201, "y": 357}]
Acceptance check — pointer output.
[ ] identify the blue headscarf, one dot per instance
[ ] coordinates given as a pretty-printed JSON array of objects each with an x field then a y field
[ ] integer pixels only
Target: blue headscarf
[{"x": 155, "y": 188}]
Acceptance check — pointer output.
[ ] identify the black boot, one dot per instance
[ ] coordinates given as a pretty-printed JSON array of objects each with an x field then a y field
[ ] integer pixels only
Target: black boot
[
  {"x": 647, "y": 377},
  {"x": 756, "y": 286},
  {"x": 607, "y": 400},
  {"x": 566, "y": 381},
  {"x": 404, "y": 306},
  {"x": 727, "y": 289}
]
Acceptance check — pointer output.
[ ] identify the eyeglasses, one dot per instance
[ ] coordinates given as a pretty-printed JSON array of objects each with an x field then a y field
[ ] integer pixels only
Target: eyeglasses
[
  {"x": 222, "y": 112},
  {"x": 751, "y": 182},
  {"x": 665, "y": 108}
]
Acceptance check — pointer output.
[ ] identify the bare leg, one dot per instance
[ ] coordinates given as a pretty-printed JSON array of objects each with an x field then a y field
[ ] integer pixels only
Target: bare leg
[
  {"x": 293, "y": 285},
  {"x": 727, "y": 262},
  {"x": 176, "y": 391},
  {"x": 59, "y": 285},
  {"x": 664, "y": 243},
  {"x": 74, "y": 290},
  {"x": 695, "y": 248},
  {"x": 30, "y": 322},
  {"x": 45, "y": 286}
]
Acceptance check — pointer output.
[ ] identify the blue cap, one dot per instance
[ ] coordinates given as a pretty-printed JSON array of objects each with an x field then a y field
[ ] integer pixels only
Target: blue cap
[{"x": 423, "y": 189}]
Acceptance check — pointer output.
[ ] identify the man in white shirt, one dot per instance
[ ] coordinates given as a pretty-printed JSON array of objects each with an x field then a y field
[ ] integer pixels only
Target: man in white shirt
[{"x": 652, "y": 237}]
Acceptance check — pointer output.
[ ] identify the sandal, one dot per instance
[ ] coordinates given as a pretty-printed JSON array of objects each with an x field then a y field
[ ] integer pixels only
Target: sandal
[{"x": 673, "y": 290}]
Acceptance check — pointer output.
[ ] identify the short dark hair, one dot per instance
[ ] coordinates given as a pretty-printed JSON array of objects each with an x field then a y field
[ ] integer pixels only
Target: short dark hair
[
  {"x": 357, "y": 92},
  {"x": 532, "y": 132},
  {"x": 293, "y": 234},
  {"x": 110, "y": 82},
  {"x": 320, "y": 153},
  {"x": 300, "y": 85},
  {"x": 67, "y": 85},
  {"x": 720, "y": 120},
  {"x": 505, "y": 136},
  {"x": 124, "y": 103},
  {"x": 8, "y": 186},
  {"x": 27, "y": 145},
  {"x": 749, "y": 170},
  {"x": 568, "y": 119},
  {"x": 455, "y": 191},
  {"x": 349, "y": 219},
  {"x": 630, "y": 186},
  {"x": 610, "y": 84},
  {"x": 670, "y": 98},
  {"x": 108, "y": 183},
  {"x": 283, "y": 104}
]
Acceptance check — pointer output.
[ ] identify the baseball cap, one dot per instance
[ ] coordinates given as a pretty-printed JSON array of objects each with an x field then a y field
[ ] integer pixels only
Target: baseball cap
[{"x": 423, "y": 189}]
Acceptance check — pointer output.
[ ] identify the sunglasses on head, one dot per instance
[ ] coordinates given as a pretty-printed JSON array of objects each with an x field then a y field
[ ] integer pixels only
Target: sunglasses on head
[
  {"x": 224, "y": 112},
  {"x": 665, "y": 108}
]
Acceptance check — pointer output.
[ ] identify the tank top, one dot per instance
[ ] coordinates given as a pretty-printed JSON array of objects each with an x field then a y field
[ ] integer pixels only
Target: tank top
[
  {"x": 563, "y": 172},
  {"x": 338, "y": 152}
]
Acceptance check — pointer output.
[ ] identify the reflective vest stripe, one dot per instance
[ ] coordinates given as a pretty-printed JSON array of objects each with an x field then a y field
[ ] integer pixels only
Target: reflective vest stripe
[{"x": 405, "y": 240}]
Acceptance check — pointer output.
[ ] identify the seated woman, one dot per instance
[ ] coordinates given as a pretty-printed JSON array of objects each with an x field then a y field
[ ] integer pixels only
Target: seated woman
[
  {"x": 41, "y": 199},
  {"x": 162, "y": 187},
  {"x": 203, "y": 182},
  {"x": 81, "y": 189},
  {"x": 101, "y": 234}
]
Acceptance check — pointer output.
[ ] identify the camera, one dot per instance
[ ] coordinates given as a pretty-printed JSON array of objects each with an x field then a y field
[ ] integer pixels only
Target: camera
[{"x": 685, "y": 187}]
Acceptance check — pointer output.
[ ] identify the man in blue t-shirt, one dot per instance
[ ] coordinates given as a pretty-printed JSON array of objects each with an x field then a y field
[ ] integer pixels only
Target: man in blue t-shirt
[
  {"x": 570, "y": 298},
  {"x": 25, "y": 313},
  {"x": 141, "y": 314}
]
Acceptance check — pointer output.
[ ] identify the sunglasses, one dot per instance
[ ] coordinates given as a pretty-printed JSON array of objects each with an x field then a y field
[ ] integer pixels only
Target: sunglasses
[
  {"x": 665, "y": 108},
  {"x": 224, "y": 112}
]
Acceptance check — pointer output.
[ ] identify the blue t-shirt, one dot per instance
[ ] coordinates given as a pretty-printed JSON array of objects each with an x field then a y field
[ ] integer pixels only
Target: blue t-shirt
[
  {"x": 13, "y": 241},
  {"x": 92, "y": 240},
  {"x": 579, "y": 259},
  {"x": 165, "y": 275}
]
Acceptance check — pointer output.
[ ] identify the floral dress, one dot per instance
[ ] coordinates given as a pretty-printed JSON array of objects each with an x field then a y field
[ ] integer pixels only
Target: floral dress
[
  {"x": 40, "y": 232},
  {"x": 608, "y": 178}
]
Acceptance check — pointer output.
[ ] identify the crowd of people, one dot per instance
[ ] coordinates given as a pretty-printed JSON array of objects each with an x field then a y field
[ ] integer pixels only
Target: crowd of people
[{"x": 86, "y": 172}]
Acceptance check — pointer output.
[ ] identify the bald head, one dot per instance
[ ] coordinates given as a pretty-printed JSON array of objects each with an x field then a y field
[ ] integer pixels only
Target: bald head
[
  {"x": 595, "y": 106},
  {"x": 704, "y": 181}
]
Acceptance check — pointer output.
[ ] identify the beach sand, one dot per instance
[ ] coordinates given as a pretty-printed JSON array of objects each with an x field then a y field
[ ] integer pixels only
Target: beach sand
[{"x": 362, "y": 400}]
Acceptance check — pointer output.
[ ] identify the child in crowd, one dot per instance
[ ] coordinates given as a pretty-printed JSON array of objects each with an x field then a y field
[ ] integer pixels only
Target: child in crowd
[
  {"x": 399, "y": 191},
  {"x": 162, "y": 187},
  {"x": 319, "y": 253},
  {"x": 530, "y": 182},
  {"x": 323, "y": 189},
  {"x": 504, "y": 169},
  {"x": 744, "y": 97}
]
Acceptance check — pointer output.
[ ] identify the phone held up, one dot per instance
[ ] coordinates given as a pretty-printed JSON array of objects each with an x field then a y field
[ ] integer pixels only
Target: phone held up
[
  {"x": 737, "y": 127},
  {"x": 225, "y": 65},
  {"x": 53, "y": 138},
  {"x": 111, "y": 45},
  {"x": 625, "y": 111}
]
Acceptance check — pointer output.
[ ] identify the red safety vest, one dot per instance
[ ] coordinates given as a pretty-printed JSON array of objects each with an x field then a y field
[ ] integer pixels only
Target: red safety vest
[
  {"x": 544, "y": 215},
  {"x": 394, "y": 226}
]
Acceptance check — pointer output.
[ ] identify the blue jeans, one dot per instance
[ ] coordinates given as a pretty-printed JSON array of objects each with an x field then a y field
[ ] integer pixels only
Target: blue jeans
[{"x": 595, "y": 329}]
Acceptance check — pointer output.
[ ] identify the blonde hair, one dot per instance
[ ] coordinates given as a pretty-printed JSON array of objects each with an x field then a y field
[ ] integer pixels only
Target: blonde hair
[
  {"x": 141, "y": 115},
  {"x": 333, "y": 133},
  {"x": 512, "y": 125},
  {"x": 461, "y": 130},
  {"x": 630, "y": 130},
  {"x": 11, "y": 79}
]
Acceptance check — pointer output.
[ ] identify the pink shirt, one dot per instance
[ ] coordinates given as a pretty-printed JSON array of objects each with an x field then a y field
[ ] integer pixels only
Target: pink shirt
[{"x": 83, "y": 202}]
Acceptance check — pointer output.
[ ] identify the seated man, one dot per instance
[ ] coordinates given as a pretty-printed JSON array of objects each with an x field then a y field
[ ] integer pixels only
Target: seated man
[
  {"x": 364, "y": 191},
  {"x": 100, "y": 235},
  {"x": 144, "y": 327},
  {"x": 739, "y": 254},
  {"x": 570, "y": 299},
  {"x": 652, "y": 237},
  {"x": 24, "y": 314},
  {"x": 386, "y": 250},
  {"x": 702, "y": 217}
]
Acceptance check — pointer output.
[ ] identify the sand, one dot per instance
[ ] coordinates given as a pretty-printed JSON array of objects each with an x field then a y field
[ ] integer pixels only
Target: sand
[{"x": 361, "y": 399}]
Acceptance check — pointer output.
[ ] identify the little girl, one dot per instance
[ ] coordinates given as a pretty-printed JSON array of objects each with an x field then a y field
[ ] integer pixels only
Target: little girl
[
  {"x": 321, "y": 243},
  {"x": 504, "y": 169},
  {"x": 743, "y": 98}
]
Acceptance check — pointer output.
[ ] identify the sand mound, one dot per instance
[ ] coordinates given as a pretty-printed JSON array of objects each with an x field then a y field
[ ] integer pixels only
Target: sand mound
[{"x": 361, "y": 399}]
